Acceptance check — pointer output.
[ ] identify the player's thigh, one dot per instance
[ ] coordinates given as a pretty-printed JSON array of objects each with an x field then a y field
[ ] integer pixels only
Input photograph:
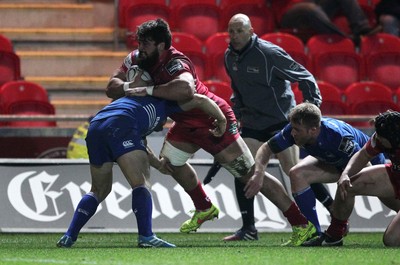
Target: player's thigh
[
  {"x": 252, "y": 144},
  {"x": 233, "y": 151},
  {"x": 313, "y": 171},
  {"x": 135, "y": 167},
  {"x": 372, "y": 181}
]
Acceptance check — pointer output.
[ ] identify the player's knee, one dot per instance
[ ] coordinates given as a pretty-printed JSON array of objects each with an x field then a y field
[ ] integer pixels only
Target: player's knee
[
  {"x": 241, "y": 166},
  {"x": 101, "y": 192},
  {"x": 175, "y": 156},
  {"x": 391, "y": 239}
]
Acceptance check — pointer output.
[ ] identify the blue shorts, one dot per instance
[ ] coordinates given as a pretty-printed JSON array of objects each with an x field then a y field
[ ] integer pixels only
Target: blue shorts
[{"x": 110, "y": 138}]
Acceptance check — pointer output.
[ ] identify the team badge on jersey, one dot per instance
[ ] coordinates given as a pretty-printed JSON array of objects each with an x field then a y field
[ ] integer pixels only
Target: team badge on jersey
[
  {"x": 174, "y": 66},
  {"x": 347, "y": 146}
]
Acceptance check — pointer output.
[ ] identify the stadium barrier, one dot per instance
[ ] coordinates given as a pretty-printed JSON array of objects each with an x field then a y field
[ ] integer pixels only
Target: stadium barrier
[{"x": 40, "y": 195}]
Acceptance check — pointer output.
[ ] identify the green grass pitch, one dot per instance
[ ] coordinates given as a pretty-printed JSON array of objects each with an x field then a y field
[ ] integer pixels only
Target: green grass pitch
[{"x": 196, "y": 248}]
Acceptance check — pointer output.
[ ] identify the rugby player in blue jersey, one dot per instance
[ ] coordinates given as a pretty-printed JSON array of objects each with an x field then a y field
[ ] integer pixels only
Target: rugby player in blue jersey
[
  {"x": 329, "y": 143},
  {"x": 116, "y": 134},
  {"x": 382, "y": 181}
]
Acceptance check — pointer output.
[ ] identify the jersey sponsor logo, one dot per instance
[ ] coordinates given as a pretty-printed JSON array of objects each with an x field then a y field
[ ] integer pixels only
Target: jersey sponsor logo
[
  {"x": 347, "y": 146},
  {"x": 174, "y": 66},
  {"x": 253, "y": 70},
  {"x": 127, "y": 143}
]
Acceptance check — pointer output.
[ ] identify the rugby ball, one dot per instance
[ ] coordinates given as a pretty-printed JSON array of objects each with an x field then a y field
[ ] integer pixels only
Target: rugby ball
[{"x": 132, "y": 73}]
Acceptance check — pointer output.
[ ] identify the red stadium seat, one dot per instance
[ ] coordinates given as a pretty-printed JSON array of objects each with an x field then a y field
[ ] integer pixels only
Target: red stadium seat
[
  {"x": 139, "y": 12},
  {"x": 332, "y": 58},
  {"x": 6, "y": 44},
  {"x": 290, "y": 43},
  {"x": 216, "y": 43},
  {"x": 124, "y": 5},
  {"x": 368, "y": 98},
  {"x": 298, "y": 96},
  {"x": 26, "y": 98},
  {"x": 332, "y": 99},
  {"x": 262, "y": 18},
  {"x": 217, "y": 68},
  {"x": 221, "y": 89},
  {"x": 198, "y": 18},
  {"x": 192, "y": 47},
  {"x": 384, "y": 67},
  {"x": 215, "y": 47},
  {"x": 380, "y": 42},
  {"x": 381, "y": 53},
  {"x": 10, "y": 67}
]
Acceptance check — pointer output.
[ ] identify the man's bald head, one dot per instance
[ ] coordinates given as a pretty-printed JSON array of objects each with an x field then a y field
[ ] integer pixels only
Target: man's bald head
[{"x": 240, "y": 31}]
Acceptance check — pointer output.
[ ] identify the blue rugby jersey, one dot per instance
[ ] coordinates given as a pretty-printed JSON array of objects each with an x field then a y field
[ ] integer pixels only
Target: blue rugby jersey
[
  {"x": 150, "y": 113},
  {"x": 336, "y": 143}
]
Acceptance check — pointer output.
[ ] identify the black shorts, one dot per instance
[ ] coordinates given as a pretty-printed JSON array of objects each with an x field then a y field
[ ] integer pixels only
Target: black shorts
[{"x": 262, "y": 135}]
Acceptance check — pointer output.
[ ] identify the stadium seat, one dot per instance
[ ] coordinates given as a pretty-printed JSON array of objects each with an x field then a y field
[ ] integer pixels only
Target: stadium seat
[
  {"x": 6, "y": 44},
  {"x": 139, "y": 12},
  {"x": 380, "y": 42},
  {"x": 368, "y": 98},
  {"x": 216, "y": 43},
  {"x": 381, "y": 54},
  {"x": 280, "y": 7},
  {"x": 124, "y": 6},
  {"x": 332, "y": 58},
  {"x": 192, "y": 47},
  {"x": 198, "y": 18},
  {"x": 215, "y": 47},
  {"x": 26, "y": 98},
  {"x": 298, "y": 96},
  {"x": 262, "y": 18},
  {"x": 332, "y": 99},
  {"x": 384, "y": 67},
  {"x": 221, "y": 89},
  {"x": 10, "y": 67},
  {"x": 216, "y": 68},
  {"x": 290, "y": 43}
]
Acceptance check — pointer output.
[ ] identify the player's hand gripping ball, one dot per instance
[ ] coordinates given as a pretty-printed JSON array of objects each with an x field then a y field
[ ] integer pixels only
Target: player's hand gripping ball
[{"x": 138, "y": 76}]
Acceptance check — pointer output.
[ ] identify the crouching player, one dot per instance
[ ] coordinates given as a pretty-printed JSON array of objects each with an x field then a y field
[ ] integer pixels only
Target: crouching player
[{"x": 382, "y": 181}]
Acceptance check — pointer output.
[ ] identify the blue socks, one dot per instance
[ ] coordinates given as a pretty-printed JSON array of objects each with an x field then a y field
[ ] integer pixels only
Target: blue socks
[
  {"x": 86, "y": 209},
  {"x": 142, "y": 206},
  {"x": 305, "y": 199}
]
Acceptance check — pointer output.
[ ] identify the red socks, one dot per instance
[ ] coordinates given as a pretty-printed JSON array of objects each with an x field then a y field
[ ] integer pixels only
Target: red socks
[
  {"x": 337, "y": 229},
  {"x": 199, "y": 198},
  {"x": 294, "y": 216}
]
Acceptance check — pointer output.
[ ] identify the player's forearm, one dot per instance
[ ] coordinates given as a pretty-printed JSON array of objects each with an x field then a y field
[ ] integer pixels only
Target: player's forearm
[
  {"x": 357, "y": 162},
  {"x": 115, "y": 85},
  {"x": 176, "y": 90},
  {"x": 262, "y": 158},
  {"x": 211, "y": 108}
]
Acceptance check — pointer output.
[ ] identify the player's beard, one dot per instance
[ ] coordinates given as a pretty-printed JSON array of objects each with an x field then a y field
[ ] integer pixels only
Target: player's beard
[{"x": 148, "y": 62}]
